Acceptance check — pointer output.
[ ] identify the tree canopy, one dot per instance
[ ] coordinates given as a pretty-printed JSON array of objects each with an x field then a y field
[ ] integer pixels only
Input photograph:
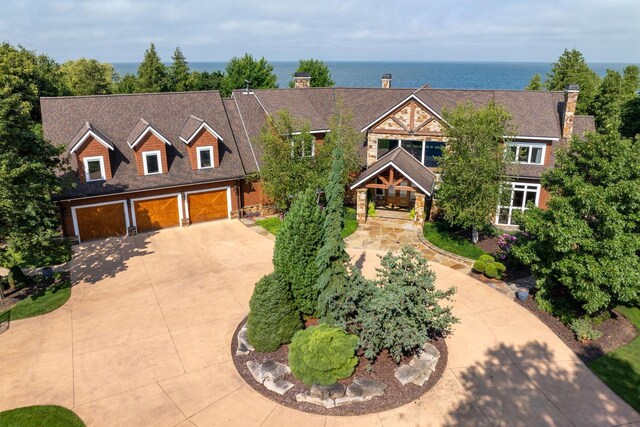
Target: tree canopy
[
  {"x": 535, "y": 83},
  {"x": 87, "y": 77},
  {"x": 319, "y": 72},
  {"x": 240, "y": 70},
  {"x": 473, "y": 165},
  {"x": 152, "y": 73},
  {"x": 583, "y": 248},
  {"x": 614, "y": 91},
  {"x": 179, "y": 72}
]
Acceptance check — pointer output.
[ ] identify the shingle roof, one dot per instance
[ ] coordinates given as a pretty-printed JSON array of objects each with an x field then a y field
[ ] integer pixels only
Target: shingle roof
[
  {"x": 190, "y": 127},
  {"x": 82, "y": 132},
  {"x": 404, "y": 163},
  {"x": 117, "y": 115}
]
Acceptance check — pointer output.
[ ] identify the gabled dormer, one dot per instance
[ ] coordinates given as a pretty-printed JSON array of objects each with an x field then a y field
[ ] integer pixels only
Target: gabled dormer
[
  {"x": 203, "y": 143},
  {"x": 149, "y": 147},
  {"x": 91, "y": 147}
]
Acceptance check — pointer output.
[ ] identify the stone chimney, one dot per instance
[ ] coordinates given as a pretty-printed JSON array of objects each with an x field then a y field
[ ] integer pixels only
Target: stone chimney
[
  {"x": 386, "y": 81},
  {"x": 570, "y": 102},
  {"x": 301, "y": 80}
]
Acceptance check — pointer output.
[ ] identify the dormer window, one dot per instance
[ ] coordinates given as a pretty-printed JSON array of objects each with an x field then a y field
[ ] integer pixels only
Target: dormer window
[
  {"x": 205, "y": 157},
  {"x": 152, "y": 162},
  {"x": 527, "y": 152},
  {"x": 94, "y": 168}
]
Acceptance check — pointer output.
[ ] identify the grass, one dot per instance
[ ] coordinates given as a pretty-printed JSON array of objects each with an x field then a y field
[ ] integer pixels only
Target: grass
[
  {"x": 41, "y": 302},
  {"x": 272, "y": 225},
  {"x": 441, "y": 236},
  {"x": 40, "y": 416},
  {"x": 620, "y": 369}
]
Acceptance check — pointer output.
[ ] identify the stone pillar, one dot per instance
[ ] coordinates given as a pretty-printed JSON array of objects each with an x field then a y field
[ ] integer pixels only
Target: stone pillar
[
  {"x": 372, "y": 149},
  {"x": 418, "y": 220},
  {"x": 570, "y": 102},
  {"x": 361, "y": 205},
  {"x": 386, "y": 81},
  {"x": 301, "y": 80}
]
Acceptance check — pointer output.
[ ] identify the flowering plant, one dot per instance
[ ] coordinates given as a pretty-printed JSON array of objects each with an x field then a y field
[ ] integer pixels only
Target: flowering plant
[{"x": 505, "y": 242}]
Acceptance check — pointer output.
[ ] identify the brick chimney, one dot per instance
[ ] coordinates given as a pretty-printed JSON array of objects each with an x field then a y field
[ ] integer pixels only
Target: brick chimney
[
  {"x": 570, "y": 102},
  {"x": 386, "y": 81},
  {"x": 301, "y": 80}
]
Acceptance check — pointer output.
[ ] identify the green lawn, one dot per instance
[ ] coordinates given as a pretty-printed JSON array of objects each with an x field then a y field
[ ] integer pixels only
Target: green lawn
[
  {"x": 620, "y": 369},
  {"x": 42, "y": 302},
  {"x": 40, "y": 416},
  {"x": 272, "y": 225},
  {"x": 442, "y": 237}
]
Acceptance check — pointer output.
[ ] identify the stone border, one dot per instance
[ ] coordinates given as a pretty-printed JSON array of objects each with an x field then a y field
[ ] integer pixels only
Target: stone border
[
  {"x": 457, "y": 258},
  {"x": 275, "y": 383}
]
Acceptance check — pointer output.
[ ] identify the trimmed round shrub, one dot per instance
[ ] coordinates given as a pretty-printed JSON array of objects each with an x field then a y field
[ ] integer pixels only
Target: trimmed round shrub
[
  {"x": 479, "y": 266},
  {"x": 16, "y": 277},
  {"x": 273, "y": 317},
  {"x": 491, "y": 271},
  {"x": 322, "y": 355},
  {"x": 501, "y": 268},
  {"x": 487, "y": 259}
]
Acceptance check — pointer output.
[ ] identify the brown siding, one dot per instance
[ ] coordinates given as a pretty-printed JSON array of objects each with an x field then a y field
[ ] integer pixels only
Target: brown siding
[
  {"x": 151, "y": 143},
  {"x": 544, "y": 198},
  {"x": 203, "y": 139},
  {"x": 93, "y": 148},
  {"x": 548, "y": 152},
  {"x": 65, "y": 207},
  {"x": 252, "y": 194}
]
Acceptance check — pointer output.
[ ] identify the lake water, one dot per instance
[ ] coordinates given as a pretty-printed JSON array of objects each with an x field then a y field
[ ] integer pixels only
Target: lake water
[{"x": 459, "y": 75}]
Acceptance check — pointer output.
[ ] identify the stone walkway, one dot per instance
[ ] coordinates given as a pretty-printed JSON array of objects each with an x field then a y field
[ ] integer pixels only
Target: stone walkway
[{"x": 144, "y": 341}]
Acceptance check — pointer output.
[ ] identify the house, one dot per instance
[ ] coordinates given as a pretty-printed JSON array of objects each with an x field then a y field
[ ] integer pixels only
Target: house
[{"x": 142, "y": 162}]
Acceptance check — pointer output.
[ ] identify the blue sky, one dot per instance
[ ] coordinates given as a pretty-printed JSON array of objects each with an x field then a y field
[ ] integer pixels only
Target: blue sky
[{"x": 400, "y": 30}]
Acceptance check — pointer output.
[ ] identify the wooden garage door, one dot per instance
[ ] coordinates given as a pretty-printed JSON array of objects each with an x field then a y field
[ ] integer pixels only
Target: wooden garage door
[
  {"x": 158, "y": 213},
  {"x": 208, "y": 206},
  {"x": 97, "y": 222}
]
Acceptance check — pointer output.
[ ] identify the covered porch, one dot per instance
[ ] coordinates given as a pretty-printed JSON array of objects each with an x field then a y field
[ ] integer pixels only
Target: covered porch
[{"x": 398, "y": 185}]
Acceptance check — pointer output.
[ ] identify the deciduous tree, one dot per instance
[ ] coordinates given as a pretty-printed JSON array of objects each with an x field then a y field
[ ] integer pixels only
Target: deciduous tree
[
  {"x": 473, "y": 165},
  {"x": 319, "y": 72},
  {"x": 258, "y": 73},
  {"x": 584, "y": 248},
  {"x": 87, "y": 77}
]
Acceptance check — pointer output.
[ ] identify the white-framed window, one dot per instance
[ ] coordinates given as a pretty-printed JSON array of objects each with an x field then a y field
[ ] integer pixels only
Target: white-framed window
[
  {"x": 152, "y": 161},
  {"x": 205, "y": 157},
  {"x": 303, "y": 147},
  {"x": 531, "y": 153},
  {"x": 94, "y": 168},
  {"x": 521, "y": 195}
]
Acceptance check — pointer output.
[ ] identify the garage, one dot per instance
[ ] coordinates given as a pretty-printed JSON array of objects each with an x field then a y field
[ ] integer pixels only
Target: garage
[
  {"x": 156, "y": 213},
  {"x": 208, "y": 205},
  {"x": 100, "y": 221}
]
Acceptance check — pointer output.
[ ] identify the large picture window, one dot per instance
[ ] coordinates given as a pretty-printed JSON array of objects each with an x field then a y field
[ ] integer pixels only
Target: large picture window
[
  {"x": 521, "y": 196},
  {"x": 426, "y": 152},
  {"x": 94, "y": 168},
  {"x": 152, "y": 163},
  {"x": 527, "y": 153}
]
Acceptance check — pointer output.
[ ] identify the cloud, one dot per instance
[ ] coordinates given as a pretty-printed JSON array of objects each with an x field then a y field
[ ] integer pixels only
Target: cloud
[{"x": 413, "y": 30}]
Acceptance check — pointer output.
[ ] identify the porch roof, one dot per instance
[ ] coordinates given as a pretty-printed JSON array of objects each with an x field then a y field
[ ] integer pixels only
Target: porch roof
[{"x": 405, "y": 164}]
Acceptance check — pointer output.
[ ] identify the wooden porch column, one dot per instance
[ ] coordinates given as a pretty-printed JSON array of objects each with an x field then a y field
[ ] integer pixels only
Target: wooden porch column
[
  {"x": 418, "y": 220},
  {"x": 361, "y": 206}
]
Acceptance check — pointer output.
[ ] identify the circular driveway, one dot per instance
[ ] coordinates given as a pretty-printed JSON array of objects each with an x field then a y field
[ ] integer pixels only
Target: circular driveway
[{"x": 144, "y": 340}]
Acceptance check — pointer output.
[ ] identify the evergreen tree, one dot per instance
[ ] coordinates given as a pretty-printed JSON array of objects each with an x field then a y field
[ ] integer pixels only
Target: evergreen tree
[
  {"x": 296, "y": 250},
  {"x": 203, "y": 80},
  {"x": 630, "y": 118},
  {"x": 152, "y": 73},
  {"x": 273, "y": 318},
  {"x": 87, "y": 77},
  {"x": 126, "y": 84},
  {"x": 239, "y": 71},
  {"x": 179, "y": 72},
  {"x": 614, "y": 91},
  {"x": 535, "y": 83},
  {"x": 583, "y": 249},
  {"x": 474, "y": 165},
  {"x": 571, "y": 68},
  {"x": 332, "y": 257},
  {"x": 319, "y": 72}
]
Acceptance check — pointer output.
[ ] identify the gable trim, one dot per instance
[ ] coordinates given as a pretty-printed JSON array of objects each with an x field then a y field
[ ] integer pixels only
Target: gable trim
[
  {"x": 204, "y": 125},
  {"x": 398, "y": 105},
  {"x": 368, "y": 177},
  {"x": 84, "y": 139},
  {"x": 145, "y": 132}
]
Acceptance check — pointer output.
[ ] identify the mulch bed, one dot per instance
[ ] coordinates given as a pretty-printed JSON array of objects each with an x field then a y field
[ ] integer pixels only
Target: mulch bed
[
  {"x": 489, "y": 244},
  {"x": 616, "y": 332},
  {"x": 395, "y": 395},
  {"x": 13, "y": 296}
]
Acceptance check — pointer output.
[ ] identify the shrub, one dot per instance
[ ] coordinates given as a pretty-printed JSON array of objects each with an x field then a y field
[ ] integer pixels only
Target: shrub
[
  {"x": 491, "y": 271},
  {"x": 322, "y": 355},
  {"x": 273, "y": 317},
  {"x": 296, "y": 249},
  {"x": 487, "y": 259},
  {"x": 479, "y": 266},
  {"x": 16, "y": 277},
  {"x": 400, "y": 311},
  {"x": 371, "y": 209},
  {"x": 584, "y": 331},
  {"x": 501, "y": 268}
]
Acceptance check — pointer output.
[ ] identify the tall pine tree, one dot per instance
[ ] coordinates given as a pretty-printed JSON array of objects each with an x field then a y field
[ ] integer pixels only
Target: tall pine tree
[
  {"x": 179, "y": 72},
  {"x": 296, "y": 250},
  {"x": 332, "y": 257},
  {"x": 152, "y": 73}
]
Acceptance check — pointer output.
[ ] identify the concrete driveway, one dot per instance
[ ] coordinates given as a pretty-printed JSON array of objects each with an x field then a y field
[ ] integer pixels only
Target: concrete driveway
[{"x": 144, "y": 341}]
